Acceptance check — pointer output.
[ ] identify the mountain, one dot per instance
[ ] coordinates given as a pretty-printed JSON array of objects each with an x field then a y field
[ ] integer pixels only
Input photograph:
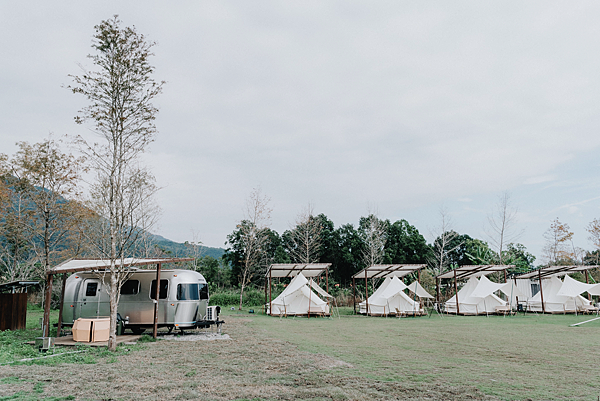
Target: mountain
[{"x": 181, "y": 250}]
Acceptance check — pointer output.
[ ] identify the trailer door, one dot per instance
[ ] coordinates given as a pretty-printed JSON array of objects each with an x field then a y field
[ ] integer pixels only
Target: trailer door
[{"x": 90, "y": 298}]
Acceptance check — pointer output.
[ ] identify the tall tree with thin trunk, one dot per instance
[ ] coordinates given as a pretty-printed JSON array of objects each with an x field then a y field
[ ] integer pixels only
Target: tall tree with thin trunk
[
  {"x": 252, "y": 239},
  {"x": 305, "y": 237},
  {"x": 502, "y": 223},
  {"x": 373, "y": 232},
  {"x": 120, "y": 92},
  {"x": 443, "y": 245},
  {"x": 558, "y": 237},
  {"x": 594, "y": 236}
]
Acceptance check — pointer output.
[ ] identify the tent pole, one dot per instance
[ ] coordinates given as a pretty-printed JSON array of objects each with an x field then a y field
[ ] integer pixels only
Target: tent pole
[
  {"x": 265, "y": 303},
  {"x": 587, "y": 280},
  {"x": 456, "y": 294},
  {"x": 354, "y": 293},
  {"x": 62, "y": 301},
  {"x": 46, "y": 320},
  {"x": 541, "y": 291},
  {"x": 309, "y": 299},
  {"x": 271, "y": 297},
  {"x": 156, "y": 298},
  {"x": 327, "y": 278},
  {"x": 367, "y": 294}
]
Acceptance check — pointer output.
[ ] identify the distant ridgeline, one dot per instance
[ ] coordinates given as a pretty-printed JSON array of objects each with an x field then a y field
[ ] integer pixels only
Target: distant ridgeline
[{"x": 178, "y": 249}]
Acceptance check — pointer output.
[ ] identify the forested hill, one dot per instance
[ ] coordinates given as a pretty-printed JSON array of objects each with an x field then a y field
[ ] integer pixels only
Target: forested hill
[{"x": 178, "y": 249}]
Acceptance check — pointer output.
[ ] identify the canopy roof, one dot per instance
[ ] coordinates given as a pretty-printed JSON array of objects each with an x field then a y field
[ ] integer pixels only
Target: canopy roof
[
  {"x": 292, "y": 269},
  {"x": 79, "y": 265},
  {"x": 549, "y": 271},
  {"x": 468, "y": 271},
  {"x": 17, "y": 284},
  {"x": 379, "y": 271}
]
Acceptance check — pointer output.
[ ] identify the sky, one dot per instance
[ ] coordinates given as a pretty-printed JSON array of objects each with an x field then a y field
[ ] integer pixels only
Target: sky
[{"x": 402, "y": 108}]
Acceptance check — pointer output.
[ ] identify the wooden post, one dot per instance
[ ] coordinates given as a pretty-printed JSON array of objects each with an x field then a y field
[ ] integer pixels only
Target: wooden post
[
  {"x": 367, "y": 294},
  {"x": 354, "y": 293},
  {"x": 46, "y": 320},
  {"x": 419, "y": 276},
  {"x": 265, "y": 303},
  {"x": 157, "y": 297},
  {"x": 456, "y": 294},
  {"x": 505, "y": 276},
  {"x": 587, "y": 280},
  {"x": 61, "y": 305},
  {"x": 270, "y": 296},
  {"x": 541, "y": 291},
  {"x": 327, "y": 278}
]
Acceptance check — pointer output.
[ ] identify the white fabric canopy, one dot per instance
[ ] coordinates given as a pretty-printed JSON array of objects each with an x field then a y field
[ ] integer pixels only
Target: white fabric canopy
[
  {"x": 553, "y": 302},
  {"x": 571, "y": 288},
  {"x": 484, "y": 302},
  {"x": 487, "y": 287},
  {"x": 389, "y": 297},
  {"x": 416, "y": 288},
  {"x": 297, "y": 299},
  {"x": 318, "y": 289}
]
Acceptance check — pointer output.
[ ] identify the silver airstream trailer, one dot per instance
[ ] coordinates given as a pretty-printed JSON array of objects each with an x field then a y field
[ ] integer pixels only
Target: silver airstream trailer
[{"x": 183, "y": 299}]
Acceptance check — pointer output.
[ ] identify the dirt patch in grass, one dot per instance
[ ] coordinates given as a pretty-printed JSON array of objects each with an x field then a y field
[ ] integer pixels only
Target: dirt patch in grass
[{"x": 252, "y": 365}]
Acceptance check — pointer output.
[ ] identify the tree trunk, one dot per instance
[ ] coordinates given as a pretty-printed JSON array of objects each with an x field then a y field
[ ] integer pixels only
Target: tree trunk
[{"x": 112, "y": 336}]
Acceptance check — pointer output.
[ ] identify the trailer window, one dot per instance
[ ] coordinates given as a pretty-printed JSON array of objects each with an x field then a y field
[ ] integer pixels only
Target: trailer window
[
  {"x": 130, "y": 287},
  {"x": 91, "y": 289},
  {"x": 203, "y": 291},
  {"x": 162, "y": 294},
  {"x": 187, "y": 292}
]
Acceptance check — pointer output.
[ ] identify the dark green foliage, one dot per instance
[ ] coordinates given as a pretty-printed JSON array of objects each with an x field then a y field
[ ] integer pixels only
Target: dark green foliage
[
  {"x": 405, "y": 244},
  {"x": 516, "y": 254},
  {"x": 178, "y": 249}
]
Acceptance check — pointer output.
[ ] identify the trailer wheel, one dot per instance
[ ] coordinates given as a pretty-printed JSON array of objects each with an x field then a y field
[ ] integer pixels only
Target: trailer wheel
[{"x": 138, "y": 330}]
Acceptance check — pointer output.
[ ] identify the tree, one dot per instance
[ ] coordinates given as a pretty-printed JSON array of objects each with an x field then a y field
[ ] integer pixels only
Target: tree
[
  {"x": 502, "y": 225},
  {"x": 557, "y": 239},
  {"x": 120, "y": 93},
  {"x": 593, "y": 228},
  {"x": 443, "y": 245},
  {"x": 405, "y": 244},
  {"x": 304, "y": 240},
  {"x": 250, "y": 241},
  {"x": 516, "y": 254},
  {"x": 373, "y": 233},
  {"x": 47, "y": 180}
]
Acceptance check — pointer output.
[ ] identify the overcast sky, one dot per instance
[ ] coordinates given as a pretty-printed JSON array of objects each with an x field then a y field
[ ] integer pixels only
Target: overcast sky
[{"x": 399, "y": 107}]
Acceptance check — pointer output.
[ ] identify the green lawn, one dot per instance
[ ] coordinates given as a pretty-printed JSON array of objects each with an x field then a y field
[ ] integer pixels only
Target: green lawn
[{"x": 518, "y": 357}]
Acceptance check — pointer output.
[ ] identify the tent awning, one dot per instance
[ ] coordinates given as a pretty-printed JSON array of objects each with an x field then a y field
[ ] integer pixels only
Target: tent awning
[
  {"x": 549, "y": 271},
  {"x": 79, "y": 265},
  {"x": 382, "y": 271},
  {"x": 468, "y": 271},
  {"x": 292, "y": 269}
]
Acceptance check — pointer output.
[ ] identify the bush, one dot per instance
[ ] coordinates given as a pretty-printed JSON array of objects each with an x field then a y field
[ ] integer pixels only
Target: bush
[{"x": 231, "y": 297}]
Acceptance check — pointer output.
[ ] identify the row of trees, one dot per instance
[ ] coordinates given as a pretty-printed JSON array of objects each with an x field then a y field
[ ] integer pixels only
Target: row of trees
[{"x": 253, "y": 245}]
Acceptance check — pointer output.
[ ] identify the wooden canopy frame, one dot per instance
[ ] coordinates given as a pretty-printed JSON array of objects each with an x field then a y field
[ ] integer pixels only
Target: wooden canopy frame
[
  {"x": 466, "y": 272},
  {"x": 561, "y": 270},
  {"x": 383, "y": 271},
  {"x": 80, "y": 265},
  {"x": 286, "y": 270}
]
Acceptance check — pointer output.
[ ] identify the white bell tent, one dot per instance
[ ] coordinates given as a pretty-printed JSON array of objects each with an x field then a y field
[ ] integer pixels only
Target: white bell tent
[
  {"x": 559, "y": 297},
  {"x": 477, "y": 297},
  {"x": 418, "y": 290},
  {"x": 298, "y": 299},
  {"x": 390, "y": 298}
]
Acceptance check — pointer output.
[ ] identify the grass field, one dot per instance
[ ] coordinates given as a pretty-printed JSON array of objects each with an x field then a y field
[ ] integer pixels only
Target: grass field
[{"x": 354, "y": 357}]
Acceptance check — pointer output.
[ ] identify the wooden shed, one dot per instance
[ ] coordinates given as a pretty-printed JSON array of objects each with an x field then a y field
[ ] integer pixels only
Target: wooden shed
[{"x": 13, "y": 305}]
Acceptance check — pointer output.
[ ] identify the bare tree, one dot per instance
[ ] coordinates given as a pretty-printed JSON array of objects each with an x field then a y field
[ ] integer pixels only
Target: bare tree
[
  {"x": 502, "y": 222},
  {"x": 305, "y": 237},
  {"x": 594, "y": 230},
  {"x": 373, "y": 233},
  {"x": 253, "y": 238},
  {"x": 120, "y": 93},
  {"x": 439, "y": 261},
  {"x": 557, "y": 238}
]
